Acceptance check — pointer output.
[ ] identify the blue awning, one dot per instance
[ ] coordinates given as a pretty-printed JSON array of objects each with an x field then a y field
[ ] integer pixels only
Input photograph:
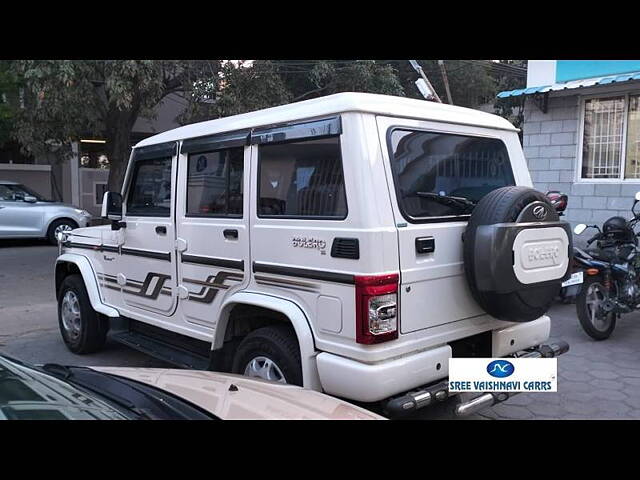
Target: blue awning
[{"x": 587, "y": 82}]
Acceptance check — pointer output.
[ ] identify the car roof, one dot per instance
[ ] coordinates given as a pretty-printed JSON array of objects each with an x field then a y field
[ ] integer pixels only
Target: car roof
[
  {"x": 334, "y": 104},
  {"x": 7, "y": 182}
]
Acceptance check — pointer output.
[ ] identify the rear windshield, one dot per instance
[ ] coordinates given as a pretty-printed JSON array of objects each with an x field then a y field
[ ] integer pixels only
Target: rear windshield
[{"x": 441, "y": 176}]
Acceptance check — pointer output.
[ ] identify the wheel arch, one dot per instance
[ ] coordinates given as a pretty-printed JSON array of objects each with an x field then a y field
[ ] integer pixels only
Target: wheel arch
[
  {"x": 71, "y": 263},
  {"x": 285, "y": 309},
  {"x": 52, "y": 219}
]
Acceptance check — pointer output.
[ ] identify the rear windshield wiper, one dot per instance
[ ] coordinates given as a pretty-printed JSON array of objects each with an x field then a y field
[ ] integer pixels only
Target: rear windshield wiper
[{"x": 448, "y": 200}]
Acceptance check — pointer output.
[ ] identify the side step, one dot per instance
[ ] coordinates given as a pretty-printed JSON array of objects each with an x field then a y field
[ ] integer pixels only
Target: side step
[{"x": 161, "y": 348}]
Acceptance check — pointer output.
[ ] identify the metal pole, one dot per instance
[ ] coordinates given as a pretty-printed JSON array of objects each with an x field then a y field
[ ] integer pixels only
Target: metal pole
[
  {"x": 446, "y": 80},
  {"x": 419, "y": 69}
]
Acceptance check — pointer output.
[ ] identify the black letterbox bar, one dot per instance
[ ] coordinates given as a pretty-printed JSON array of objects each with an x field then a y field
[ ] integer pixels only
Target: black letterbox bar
[
  {"x": 319, "y": 128},
  {"x": 160, "y": 150},
  {"x": 215, "y": 142}
]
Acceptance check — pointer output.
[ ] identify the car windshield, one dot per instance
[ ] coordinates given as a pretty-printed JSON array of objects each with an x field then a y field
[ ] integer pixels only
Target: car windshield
[
  {"x": 13, "y": 192},
  {"x": 444, "y": 175},
  {"x": 28, "y": 394}
]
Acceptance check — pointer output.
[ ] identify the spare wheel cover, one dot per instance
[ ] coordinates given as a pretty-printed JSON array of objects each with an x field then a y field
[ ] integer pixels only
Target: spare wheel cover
[{"x": 516, "y": 253}]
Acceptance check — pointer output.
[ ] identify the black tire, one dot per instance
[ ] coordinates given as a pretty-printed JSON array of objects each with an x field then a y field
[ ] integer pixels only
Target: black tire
[
  {"x": 51, "y": 232},
  {"x": 584, "y": 315},
  {"x": 504, "y": 205},
  {"x": 93, "y": 327},
  {"x": 279, "y": 344}
]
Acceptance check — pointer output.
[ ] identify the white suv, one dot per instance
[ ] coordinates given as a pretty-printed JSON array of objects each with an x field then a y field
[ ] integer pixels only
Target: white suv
[{"x": 333, "y": 243}]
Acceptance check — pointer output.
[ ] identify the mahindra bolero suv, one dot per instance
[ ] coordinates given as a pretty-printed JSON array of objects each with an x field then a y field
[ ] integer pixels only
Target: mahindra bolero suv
[{"x": 350, "y": 244}]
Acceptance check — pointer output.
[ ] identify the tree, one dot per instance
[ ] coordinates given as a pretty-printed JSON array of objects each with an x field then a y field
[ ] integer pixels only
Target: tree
[
  {"x": 471, "y": 83},
  {"x": 8, "y": 100},
  {"x": 511, "y": 108},
  {"x": 66, "y": 99},
  {"x": 247, "y": 86}
]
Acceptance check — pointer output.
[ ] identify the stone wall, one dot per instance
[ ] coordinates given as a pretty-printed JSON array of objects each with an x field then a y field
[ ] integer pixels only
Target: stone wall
[{"x": 550, "y": 143}]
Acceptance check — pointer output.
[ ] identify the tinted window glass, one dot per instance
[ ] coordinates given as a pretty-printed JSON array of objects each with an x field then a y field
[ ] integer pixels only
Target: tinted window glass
[
  {"x": 302, "y": 179},
  {"x": 150, "y": 192},
  {"x": 428, "y": 166},
  {"x": 215, "y": 183}
]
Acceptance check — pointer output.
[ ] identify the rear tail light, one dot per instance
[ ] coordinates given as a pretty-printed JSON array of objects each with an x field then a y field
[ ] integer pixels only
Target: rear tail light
[{"x": 376, "y": 308}]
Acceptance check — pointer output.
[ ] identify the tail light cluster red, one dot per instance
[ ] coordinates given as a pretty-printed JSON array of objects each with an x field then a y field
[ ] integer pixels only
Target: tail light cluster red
[{"x": 376, "y": 308}]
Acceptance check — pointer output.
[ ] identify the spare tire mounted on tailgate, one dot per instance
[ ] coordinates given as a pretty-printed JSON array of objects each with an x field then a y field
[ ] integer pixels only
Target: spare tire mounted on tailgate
[{"x": 516, "y": 253}]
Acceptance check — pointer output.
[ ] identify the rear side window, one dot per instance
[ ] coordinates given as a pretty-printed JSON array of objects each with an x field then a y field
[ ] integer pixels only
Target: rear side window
[
  {"x": 150, "y": 191},
  {"x": 302, "y": 180},
  {"x": 214, "y": 184},
  {"x": 440, "y": 176}
]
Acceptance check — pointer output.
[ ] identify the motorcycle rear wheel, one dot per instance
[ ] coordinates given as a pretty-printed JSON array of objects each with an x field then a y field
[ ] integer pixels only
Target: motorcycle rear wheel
[{"x": 597, "y": 324}]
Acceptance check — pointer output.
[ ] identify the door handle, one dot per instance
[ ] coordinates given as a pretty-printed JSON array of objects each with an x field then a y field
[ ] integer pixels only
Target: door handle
[
  {"x": 230, "y": 234},
  {"x": 161, "y": 230},
  {"x": 425, "y": 245}
]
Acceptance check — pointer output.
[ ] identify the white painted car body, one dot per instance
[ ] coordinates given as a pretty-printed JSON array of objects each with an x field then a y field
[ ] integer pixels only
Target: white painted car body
[
  {"x": 435, "y": 306},
  {"x": 234, "y": 397}
]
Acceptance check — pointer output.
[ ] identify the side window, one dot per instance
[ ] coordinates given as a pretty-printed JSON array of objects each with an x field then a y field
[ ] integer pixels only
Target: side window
[
  {"x": 302, "y": 180},
  {"x": 150, "y": 189},
  {"x": 214, "y": 183}
]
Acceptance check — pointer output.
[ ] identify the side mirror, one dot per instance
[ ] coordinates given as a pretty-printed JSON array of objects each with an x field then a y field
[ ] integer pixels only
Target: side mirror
[
  {"x": 112, "y": 209},
  {"x": 29, "y": 199},
  {"x": 112, "y": 206},
  {"x": 581, "y": 227},
  {"x": 638, "y": 197}
]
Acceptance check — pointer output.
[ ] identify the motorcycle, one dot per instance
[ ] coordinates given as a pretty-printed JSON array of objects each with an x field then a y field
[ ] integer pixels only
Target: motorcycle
[{"x": 609, "y": 274}]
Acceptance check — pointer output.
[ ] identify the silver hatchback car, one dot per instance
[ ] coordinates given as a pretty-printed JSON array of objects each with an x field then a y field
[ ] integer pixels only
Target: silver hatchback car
[{"x": 25, "y": 214}]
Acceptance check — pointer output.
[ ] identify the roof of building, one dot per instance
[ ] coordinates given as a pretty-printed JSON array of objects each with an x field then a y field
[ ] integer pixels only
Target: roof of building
[
  {"x": 585, "y": 82},
  {"x": 334, "y": 104}
]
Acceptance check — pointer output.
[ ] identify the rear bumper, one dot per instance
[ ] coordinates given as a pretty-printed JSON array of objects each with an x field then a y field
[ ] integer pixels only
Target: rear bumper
[{"x": 371, "y": 382}]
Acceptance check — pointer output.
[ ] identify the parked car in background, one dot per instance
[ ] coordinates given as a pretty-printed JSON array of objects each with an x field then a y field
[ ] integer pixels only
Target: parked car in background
[
  {"x": 25, "y": 214},
  {"x": 58, "y": 392}
]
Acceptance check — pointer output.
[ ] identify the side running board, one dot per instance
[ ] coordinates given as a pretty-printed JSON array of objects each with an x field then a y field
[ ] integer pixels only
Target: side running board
[{"x": 175, "y": 349}]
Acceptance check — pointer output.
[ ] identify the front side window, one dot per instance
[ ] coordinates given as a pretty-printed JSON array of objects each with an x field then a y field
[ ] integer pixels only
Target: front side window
[
  {"x": 302, "y": 180},
  {"x": 214, "y": 183},
  {"x": 441, "y": 175},
  {"x": 150, "y": 191}
]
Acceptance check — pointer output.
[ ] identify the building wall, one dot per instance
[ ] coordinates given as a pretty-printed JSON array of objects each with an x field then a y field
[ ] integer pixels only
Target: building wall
[
  {"x": 550, "y": 143},
  {"x": 35, "y": 177}
]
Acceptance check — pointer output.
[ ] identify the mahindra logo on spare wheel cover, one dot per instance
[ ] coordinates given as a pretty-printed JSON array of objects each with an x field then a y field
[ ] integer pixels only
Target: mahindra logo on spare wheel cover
[
  {"x": 539, "y": 212},
  {"x": 500, "y": 368}
]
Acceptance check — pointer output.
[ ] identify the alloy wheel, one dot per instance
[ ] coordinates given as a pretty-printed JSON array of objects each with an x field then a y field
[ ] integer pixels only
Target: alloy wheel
[
  {"x": 265, "y": 368},
  {"x": 70, "y": 312}
]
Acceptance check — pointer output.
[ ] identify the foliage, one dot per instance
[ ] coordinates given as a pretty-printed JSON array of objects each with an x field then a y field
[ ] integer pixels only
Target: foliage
[
  {"x": 511, "y": 108},
  {"x": 66, "y": 99},
  {"x": 248, "y": 86},
  {"x": 8, "y": 100}
]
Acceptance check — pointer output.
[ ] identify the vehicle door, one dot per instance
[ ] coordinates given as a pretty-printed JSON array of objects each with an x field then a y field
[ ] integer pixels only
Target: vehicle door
[
  {"x": 427, "y": 162},
  {"x": 212, "y": 225},
  {"x": 17, "y": 217},
  {"x": 146, "y": 263}
]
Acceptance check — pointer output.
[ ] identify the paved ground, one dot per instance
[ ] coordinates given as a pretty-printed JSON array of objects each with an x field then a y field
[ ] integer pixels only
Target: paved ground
[
  {"x": 28, "y": 312},
  {"x": 597, "y": 380}
]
